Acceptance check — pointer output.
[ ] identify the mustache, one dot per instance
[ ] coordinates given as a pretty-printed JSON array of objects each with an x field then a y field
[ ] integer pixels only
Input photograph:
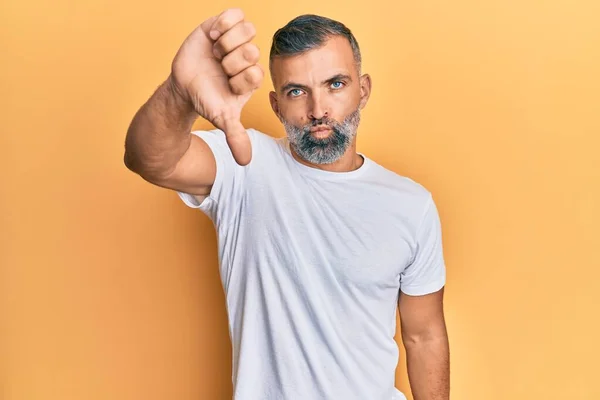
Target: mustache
[
  {"x": 325, "y": 121},
  {"x": 332, "y": 123},
  {"x": 322, "y": 121}
]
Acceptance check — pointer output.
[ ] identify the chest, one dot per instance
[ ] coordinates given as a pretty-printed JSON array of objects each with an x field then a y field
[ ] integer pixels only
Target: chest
[{"x": 342, "y": 230}]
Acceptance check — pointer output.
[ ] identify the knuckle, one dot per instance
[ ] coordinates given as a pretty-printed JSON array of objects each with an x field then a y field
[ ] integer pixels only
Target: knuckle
[
  {"x": 225, "y": 23},
  {"x": 249, "y": 28},
  {"x": 253, "y": 75},
  {"x": 220, "y": 49},
  {"x": 230, "y": 17},
  {"x": 236, "y": 13},
  {"x": 228, "y": 115},
  {"x": 249, "y": 75},
  {"x": 236, "y": 87},
  {"x": 250, "y": 53},
  {"x": 260, "y": 73},
  {"x": 228, "y": 66}
]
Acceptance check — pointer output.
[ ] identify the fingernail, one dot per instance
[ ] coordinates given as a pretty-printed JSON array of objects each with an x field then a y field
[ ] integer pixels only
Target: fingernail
[
  {"x": 216, "y": 53},
  {"x": 214, "y": 35}
]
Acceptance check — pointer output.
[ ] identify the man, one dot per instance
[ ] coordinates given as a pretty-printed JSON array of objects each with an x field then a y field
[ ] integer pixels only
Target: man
[{"x": 318, "y": 244}]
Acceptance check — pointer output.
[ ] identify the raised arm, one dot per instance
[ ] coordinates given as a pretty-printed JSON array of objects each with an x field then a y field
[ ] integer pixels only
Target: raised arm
[{"x": 213, "y": 75}]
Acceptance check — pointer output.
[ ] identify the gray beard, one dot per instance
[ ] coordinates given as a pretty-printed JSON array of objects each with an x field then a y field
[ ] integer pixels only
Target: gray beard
[{"x": 323, "y": 150}]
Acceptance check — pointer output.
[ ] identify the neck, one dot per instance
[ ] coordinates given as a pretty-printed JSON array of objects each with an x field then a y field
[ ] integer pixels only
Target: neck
[{"x": 350, "y": 161}]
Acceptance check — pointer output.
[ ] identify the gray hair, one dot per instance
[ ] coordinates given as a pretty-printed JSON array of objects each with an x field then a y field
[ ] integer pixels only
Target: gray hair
[{"x": 308, "y": 32}]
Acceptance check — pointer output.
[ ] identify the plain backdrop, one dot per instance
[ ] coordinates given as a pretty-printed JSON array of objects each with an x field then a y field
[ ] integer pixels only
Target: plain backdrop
[{"x": 109, "y": 286}]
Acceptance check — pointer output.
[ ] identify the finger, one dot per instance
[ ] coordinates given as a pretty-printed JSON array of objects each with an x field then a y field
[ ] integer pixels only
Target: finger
[
  {"x": 201, "y": 31},
  {"x": 241, "y": 58},
  {"x": 206, "y": 25},
  {"x": 241, "y": 33},
  {"x": 247, "y": 80},
  {"x": 238, "y": 141},
  {"x": 225, "y": 21}
]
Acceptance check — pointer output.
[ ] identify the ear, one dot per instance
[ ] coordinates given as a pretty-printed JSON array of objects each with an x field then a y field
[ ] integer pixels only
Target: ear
[
  {"x": 365, "y": 90},
  {"x": 274, "y": 104}
]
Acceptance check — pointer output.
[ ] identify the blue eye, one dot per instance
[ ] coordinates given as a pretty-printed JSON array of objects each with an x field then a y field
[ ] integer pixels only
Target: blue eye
[
  {"x": 335, "y": 86},
  {"x": 295, "y": 92}
]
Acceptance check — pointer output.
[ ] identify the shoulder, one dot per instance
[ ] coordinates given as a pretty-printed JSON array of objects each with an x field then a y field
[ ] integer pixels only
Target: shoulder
[
  {"x": 217, "y": 134},
  {"x": 261, "y": 142},
  {"x": 262, "y": 138},
  {"x": 402, "y": 198},
  {"x": 266, "y": 148},
  {"x": 399, "y": 184}
]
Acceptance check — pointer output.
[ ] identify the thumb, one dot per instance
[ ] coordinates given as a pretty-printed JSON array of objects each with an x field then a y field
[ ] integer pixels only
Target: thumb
[{"x": 238, "y": 140}]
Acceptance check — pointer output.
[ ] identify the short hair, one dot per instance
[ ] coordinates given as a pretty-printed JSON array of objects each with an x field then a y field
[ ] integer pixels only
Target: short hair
[{"x": 307, "y": 32}]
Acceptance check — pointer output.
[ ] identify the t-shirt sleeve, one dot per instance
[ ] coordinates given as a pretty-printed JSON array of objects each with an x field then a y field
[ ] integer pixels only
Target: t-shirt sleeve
[
  {"x": 427, "y": 271},
  {"x": 228, "y": 187}
]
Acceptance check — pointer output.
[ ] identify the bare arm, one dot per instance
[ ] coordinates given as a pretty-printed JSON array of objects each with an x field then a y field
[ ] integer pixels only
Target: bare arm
[
  {"x": 426, "y": 342},
  {"x": 160, "y": 147},
  {"x": 212, "y": 76}
]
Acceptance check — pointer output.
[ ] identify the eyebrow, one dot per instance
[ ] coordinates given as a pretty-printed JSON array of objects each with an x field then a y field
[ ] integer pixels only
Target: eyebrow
[{"x": 335, "y": 78}]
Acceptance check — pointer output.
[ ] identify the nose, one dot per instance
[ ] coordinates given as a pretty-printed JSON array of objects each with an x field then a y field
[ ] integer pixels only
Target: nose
[{"x": 317, "y": 108}]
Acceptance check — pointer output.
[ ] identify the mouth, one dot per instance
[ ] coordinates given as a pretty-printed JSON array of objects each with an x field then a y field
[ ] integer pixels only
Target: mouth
[{"x": 320, "y": 131}]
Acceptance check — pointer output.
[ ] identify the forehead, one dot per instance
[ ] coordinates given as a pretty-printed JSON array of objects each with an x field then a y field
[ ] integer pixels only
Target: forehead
[{"x": 314, "y": 66}]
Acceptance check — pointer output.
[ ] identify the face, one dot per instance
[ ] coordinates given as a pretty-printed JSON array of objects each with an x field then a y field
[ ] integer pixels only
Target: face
[{"x": 318, "y": 97}]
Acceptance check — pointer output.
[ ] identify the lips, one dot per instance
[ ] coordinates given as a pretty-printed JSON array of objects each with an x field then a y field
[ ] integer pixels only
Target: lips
[{"x": 319, "y": 129}]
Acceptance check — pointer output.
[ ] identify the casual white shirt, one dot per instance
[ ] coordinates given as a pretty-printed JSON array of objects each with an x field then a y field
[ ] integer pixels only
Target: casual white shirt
[{"x": 312, "y": 263}]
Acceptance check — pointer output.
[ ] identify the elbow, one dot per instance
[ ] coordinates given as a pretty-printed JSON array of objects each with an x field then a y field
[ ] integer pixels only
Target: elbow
[
  {"x": 135, "y": 161},
  {"x": 413, "y": 340},
  {"x": 128, "y": 155},
  {"x": 127, "y": 161},
  {"x": 418, "y": 340},
  {"x": 130, "y": 163},
  {"x": 432, "y": 333},
  {"x": 152, "y": 173},
  {"x": 135, "y": 158},
  {"x": 135, "y": 165}
]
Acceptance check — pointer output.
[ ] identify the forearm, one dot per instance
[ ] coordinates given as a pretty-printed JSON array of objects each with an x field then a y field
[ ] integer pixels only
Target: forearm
[
  {"x": 159, "y": 133},
  {"x": 428, "y": 363}
]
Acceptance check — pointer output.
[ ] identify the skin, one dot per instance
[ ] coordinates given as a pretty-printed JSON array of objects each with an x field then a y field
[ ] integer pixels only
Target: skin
[
  {"x": 425, "y": 339},
  {"x": 321, "y": 83},
  {"x": 214, "y": 74},
  {"x": 306, "y": 90}
]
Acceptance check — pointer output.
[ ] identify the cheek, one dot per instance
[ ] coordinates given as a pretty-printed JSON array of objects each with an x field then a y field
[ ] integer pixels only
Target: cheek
[
  {"x": 344, "y": 104},
  {"x": 294, "y": 112}
]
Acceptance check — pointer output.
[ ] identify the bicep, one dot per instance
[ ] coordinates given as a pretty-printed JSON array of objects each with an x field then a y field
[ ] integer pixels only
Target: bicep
[
  {"x": 195, "y": 172},
  {"x": 422, "y": 317}
]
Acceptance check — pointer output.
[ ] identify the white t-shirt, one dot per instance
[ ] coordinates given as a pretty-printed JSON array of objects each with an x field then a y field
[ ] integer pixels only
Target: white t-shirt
[{"x": 311, "y": 264}]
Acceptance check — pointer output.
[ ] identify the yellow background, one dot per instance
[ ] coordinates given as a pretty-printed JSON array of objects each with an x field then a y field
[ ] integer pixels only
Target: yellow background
[{"x": 109, "y": 286}]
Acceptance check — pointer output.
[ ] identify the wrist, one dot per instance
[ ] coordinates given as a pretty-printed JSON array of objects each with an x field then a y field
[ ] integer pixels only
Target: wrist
[{"x": 178, "y": 98}]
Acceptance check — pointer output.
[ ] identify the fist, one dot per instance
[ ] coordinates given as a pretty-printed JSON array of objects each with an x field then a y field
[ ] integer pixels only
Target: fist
[{"x": 216, "y": 69}]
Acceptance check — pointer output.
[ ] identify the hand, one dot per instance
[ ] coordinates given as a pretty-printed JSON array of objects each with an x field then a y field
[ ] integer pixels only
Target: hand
[{"x": 216, "y": 71}]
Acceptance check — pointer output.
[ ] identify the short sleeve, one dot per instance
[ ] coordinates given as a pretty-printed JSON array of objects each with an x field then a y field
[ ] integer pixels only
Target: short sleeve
[
  {"x": 228, "y": 187},
  {"x": 427, "y": 271}
]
